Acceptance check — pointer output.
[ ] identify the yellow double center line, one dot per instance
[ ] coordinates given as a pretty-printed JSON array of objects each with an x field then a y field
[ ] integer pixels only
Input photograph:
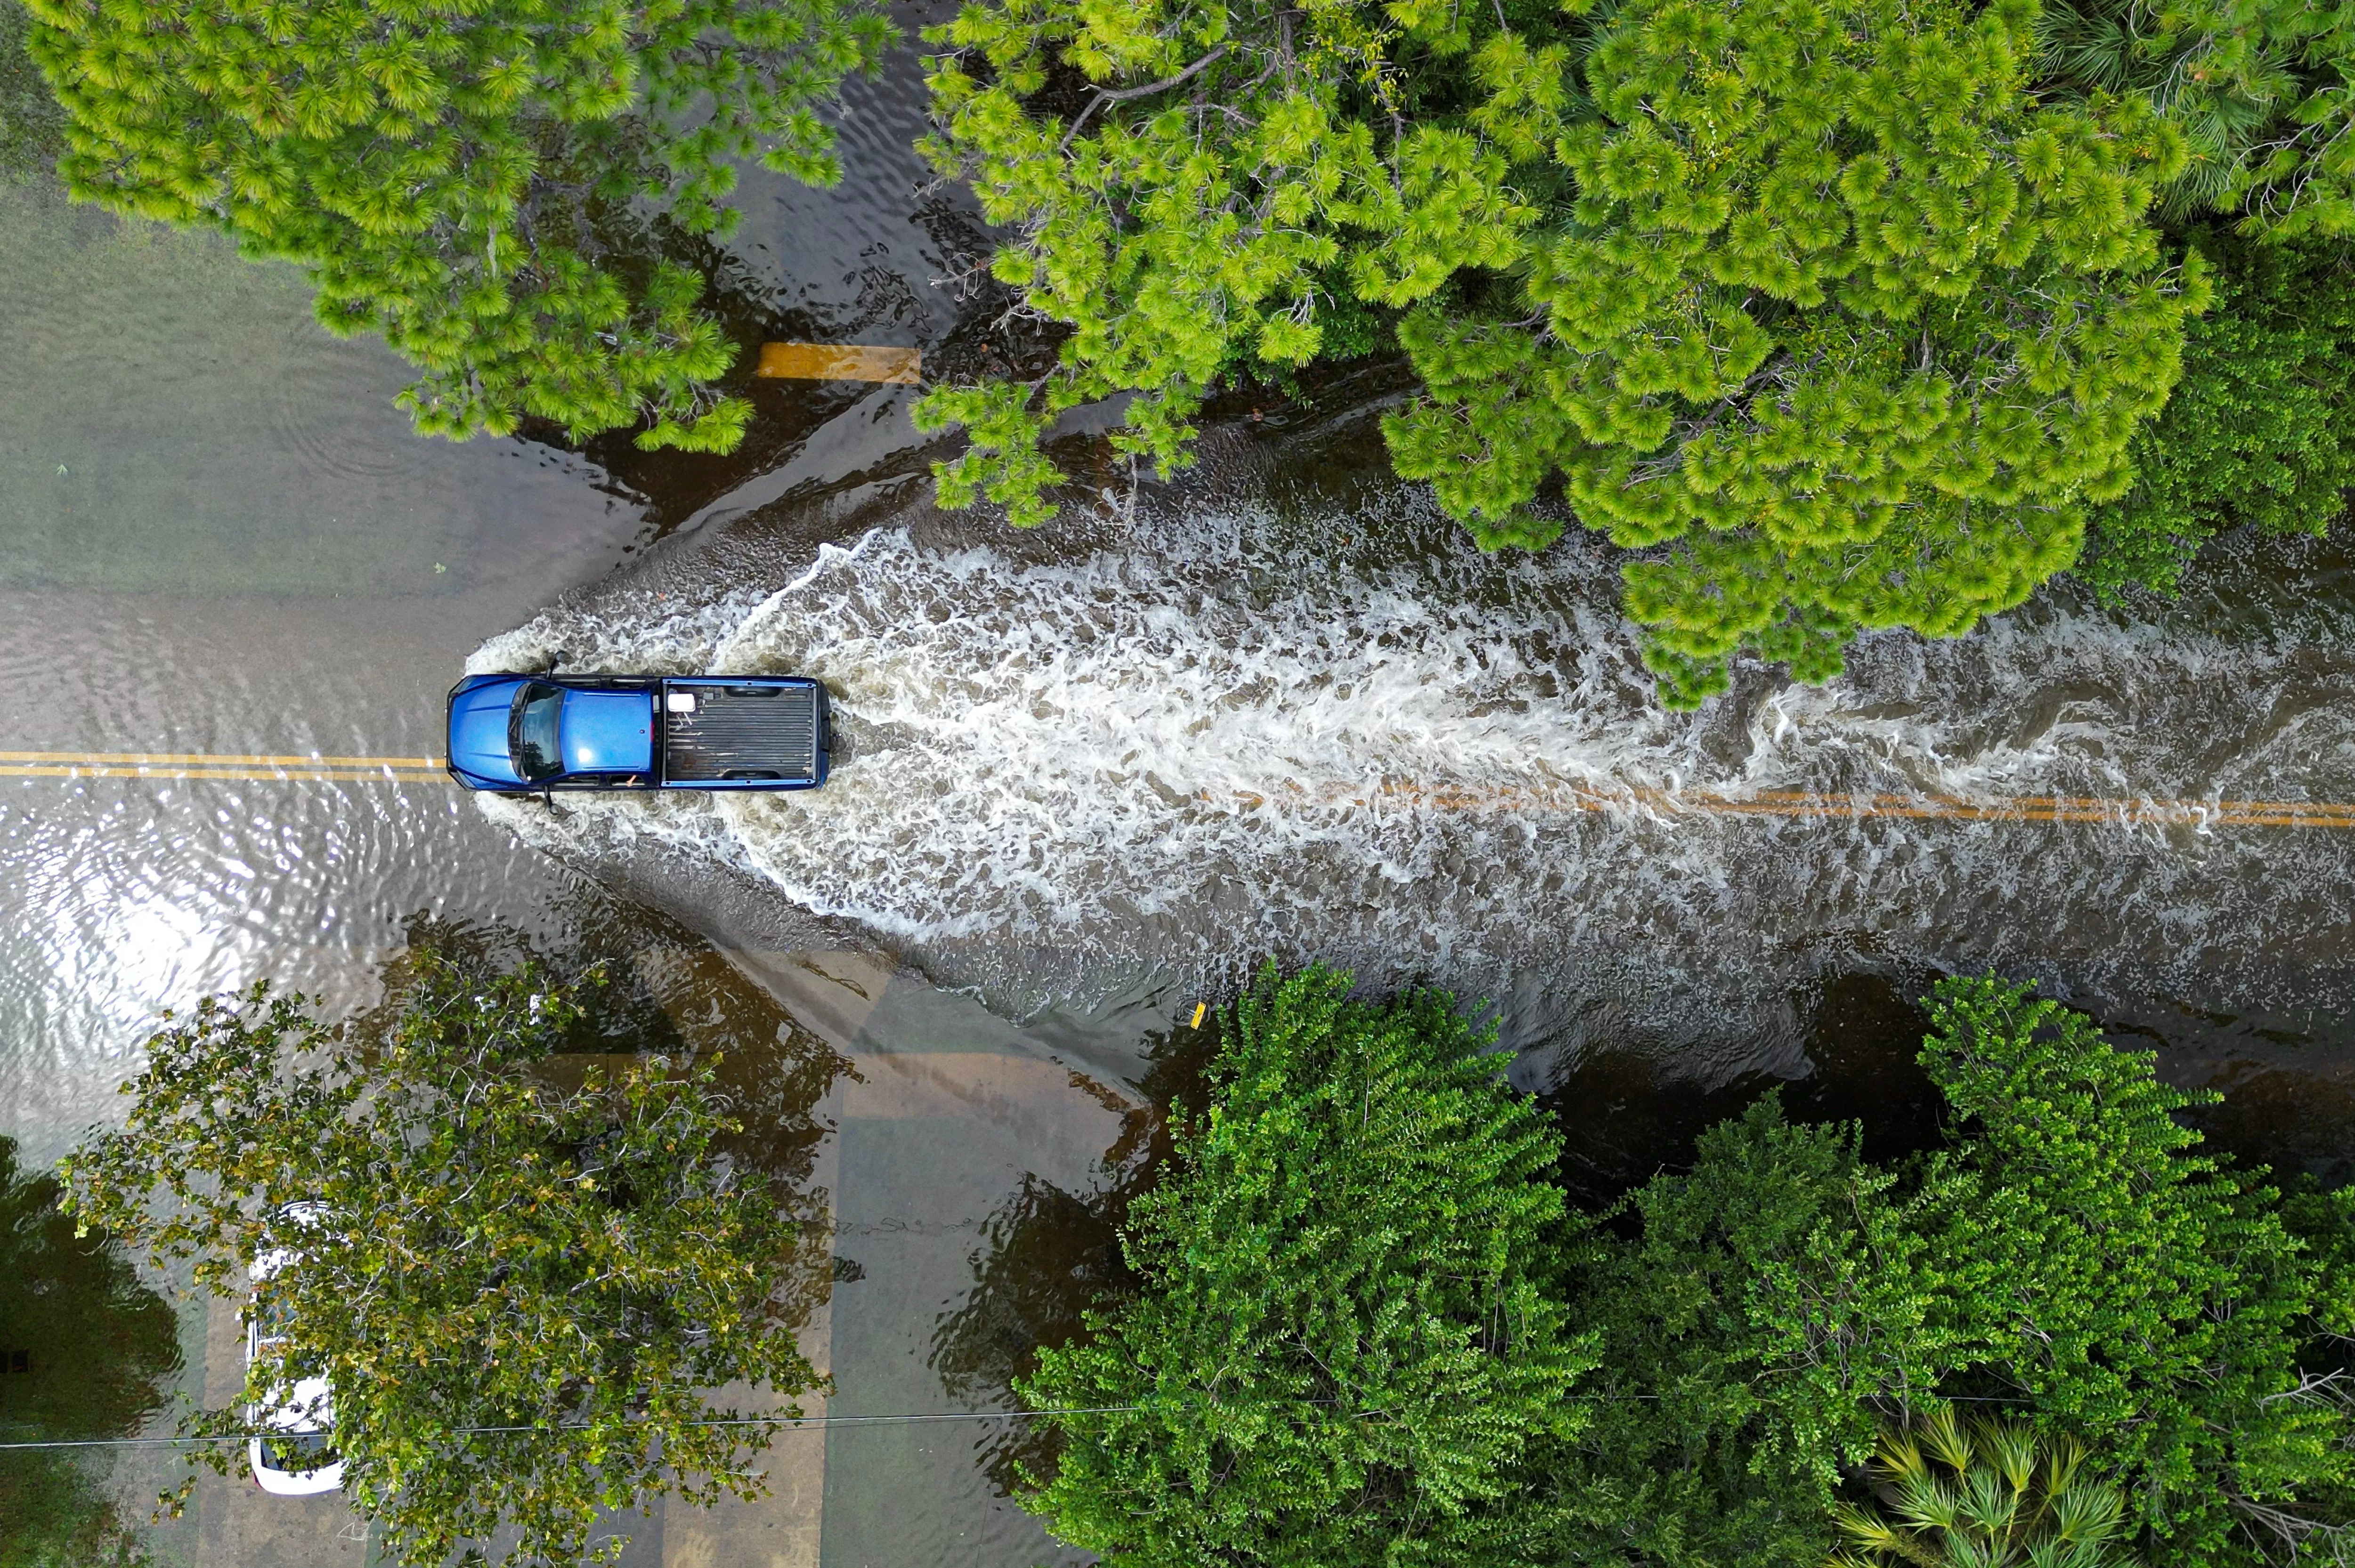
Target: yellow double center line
[
  {"x": 2119, "y": 810},
  {"x": 255, "y": 769},
  {"x": 1517, "y": 800}
]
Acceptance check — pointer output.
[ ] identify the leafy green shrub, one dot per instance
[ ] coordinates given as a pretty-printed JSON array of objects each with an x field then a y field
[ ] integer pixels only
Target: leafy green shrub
[
  {"x": 440, "y": 170},
  {"x": 2261, "y": 432},
  {"x": 1357, "y": 1324},
  {"x": 1343, "y": 1344},
  {"x": 1764, "y": 1297},
  {"x": 2068, "y": 1255},
  {"x": 2123, "y": 1287}
]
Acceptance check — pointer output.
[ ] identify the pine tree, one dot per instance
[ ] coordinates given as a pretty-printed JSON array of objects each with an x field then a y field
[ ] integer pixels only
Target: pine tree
[
  {"x": 1189, "y": 185},
  {"x": 1816, "y": 304},
  {"x": 2264, "y": 89},
  {"x": 1844, "y": 329},
  {"x": 441, "y": 169}
]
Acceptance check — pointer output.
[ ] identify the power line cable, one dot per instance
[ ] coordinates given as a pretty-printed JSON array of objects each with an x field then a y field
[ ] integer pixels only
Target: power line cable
[
  {"x": 797, "y": 1421},
  {"x": 738, "y": 1421}
]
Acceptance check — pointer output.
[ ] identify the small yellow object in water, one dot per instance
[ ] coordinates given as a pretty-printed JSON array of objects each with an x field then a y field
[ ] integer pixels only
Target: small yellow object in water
[
  {"x": 839, "y": 361},
  {"x": 1200, "y": 1008}
]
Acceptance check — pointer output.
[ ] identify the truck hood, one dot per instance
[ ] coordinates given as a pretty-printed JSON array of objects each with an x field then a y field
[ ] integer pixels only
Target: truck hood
[
  {"x": 607, "y": 732},
  {"x": 478, "y": 731}
]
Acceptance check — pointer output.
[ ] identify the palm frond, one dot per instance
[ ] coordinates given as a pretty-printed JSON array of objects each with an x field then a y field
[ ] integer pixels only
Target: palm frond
[
  {"x": 2011, "y": 1448},
  {"x": 2089, "y": 1512},
  {"x": 1992, "y": 1494},
  {"x": 1945, "y": 1438},
  {"x": 1990, "y": 1504},
  {"x": 1929, "y": 1503},
  {"x": 1899, "y": 1459}
]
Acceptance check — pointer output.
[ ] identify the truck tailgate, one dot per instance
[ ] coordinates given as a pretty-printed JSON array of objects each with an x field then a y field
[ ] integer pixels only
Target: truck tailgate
[{"x": 742, "y": 732}]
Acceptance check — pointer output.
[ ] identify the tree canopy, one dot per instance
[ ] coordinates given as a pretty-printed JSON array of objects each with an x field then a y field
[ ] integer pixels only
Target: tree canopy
[
  {"x": 2069, "y": 1258},
  {"x": 1342, "y": 1346},
  {"x": 2264, "y": 89},
  {"x": 2260, "y": 433},
  {"x": 1212, "y": 186},
  {"x": 1765, "y": 1345},
  {"x": 444, "y": 171},
  {"x": 1842, "y": 314},
  {"x": 1842, "y": 318},
  {"x": 519, "y": 1287},
  {"x": 2121, "y": 1284}
]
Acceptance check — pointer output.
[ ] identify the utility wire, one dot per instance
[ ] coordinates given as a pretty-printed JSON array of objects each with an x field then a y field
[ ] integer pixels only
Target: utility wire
[
  {"x": 824, "y": 1420},
  {"x": 737, "y": 1421}
]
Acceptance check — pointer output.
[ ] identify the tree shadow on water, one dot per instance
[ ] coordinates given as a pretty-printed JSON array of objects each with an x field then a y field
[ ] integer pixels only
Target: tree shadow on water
[
  {"x": 1048, "y": 1255},
  {"x": 666, "y": 994},
  {"x": 664, "y": 991},
  {"x": 1626, "y": 1118},
  {"x": 85, "y": 1351}
]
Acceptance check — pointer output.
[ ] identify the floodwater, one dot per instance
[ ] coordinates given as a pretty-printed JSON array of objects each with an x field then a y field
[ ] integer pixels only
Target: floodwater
[
  {"x": 1088, "y": 774},
  {"x": 1296, "y": 714}
]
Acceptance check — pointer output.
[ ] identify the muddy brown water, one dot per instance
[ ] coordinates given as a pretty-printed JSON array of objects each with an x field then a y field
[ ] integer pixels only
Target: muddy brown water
[{"x": 1090, "y": 774}]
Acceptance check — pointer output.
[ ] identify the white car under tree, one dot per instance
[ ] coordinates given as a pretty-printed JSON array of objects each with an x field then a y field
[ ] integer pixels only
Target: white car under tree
[{"x": 293, "y": 1451}]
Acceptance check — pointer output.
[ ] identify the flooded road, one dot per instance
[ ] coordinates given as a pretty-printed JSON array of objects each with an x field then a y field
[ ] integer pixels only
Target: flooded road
[
  {"x": 1320, "y": 725},
  {"x": 218, "y": 537},
  {"x": 1089, "y": 775}
]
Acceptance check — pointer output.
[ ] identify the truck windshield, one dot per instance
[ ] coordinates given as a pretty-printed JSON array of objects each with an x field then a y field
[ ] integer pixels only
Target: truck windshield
[{"x": 531, "y": 732}]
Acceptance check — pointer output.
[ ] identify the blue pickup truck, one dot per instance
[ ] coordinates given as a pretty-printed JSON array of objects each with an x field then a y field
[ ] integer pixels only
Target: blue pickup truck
[{"x": 521, "y": 734}]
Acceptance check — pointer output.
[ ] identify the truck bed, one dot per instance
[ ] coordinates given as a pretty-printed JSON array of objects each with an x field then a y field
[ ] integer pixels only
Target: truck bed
[{"x": 742, "y": 732}]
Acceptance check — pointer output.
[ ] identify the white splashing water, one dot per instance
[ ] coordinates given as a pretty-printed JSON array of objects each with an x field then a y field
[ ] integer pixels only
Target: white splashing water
[{"x": 1211, "y": 743}]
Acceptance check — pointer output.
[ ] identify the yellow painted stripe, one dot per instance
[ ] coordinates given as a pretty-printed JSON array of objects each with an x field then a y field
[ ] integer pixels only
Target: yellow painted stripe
[
  {"x": 839, "y": 361},
  {"x": 2121, "y": 811},
  {"x": 20, "y": 770},
  {"x": 249, "y": 767},
  {"x": 218, "y": 759}
]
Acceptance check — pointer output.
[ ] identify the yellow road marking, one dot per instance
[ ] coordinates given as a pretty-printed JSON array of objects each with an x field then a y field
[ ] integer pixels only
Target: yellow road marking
[
  {"x": 215, "y": 758},
  {"x": 279, "y": 777},
  {"x": 839, "y": 361},
  {"x": 2121, "y": 811},
  {"x": 2117, "y": 810},
  {"x": 247, "y": 768}
]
